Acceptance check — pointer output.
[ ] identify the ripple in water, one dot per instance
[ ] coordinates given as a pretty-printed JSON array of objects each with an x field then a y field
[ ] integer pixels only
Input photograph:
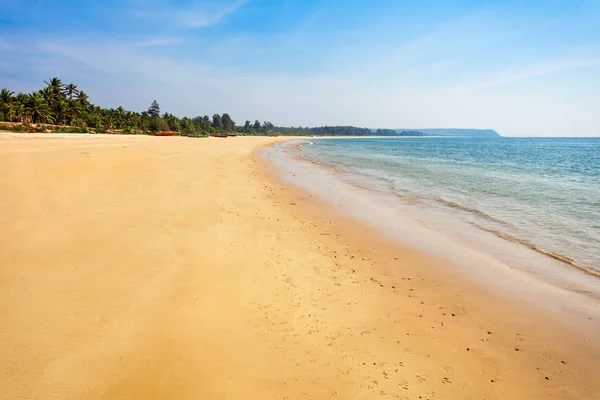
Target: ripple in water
[{"x": 543, "y": 193}]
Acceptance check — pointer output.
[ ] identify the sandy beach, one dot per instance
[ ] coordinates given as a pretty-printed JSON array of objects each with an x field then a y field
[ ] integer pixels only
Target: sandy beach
[{"x": 176, "y": 268}]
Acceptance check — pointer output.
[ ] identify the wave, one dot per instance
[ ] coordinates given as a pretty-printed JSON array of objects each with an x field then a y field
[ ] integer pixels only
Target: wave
[
  {"x": 408, "y": 199},
  {"x": 556, "y": 256},
  {"x": 470, "y": 210}
]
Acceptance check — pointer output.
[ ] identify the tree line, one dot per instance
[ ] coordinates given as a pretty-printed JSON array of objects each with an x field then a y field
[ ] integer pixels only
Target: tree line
[
  {"x": 65, "y": 105},
  {"x": 325, "y": 130}
]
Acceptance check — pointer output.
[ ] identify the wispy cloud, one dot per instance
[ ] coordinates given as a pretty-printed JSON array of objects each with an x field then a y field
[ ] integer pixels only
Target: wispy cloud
[
  {"x": 196, "y": 15},
  {"x": 443, "y": 65},
  {"x": 534, "y": 71},
  {"x": 156, "y": 42},
  {"x": 119, "y": 58}
]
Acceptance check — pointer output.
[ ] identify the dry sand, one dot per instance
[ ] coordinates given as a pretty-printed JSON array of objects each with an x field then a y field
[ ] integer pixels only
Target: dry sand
[{"x": 174, "y": 268}]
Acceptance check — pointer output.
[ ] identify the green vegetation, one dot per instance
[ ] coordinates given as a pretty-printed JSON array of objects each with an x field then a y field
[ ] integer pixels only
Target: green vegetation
[
  {"x": 60, "y": 107},
  {"x": 393, "y": 132},
  {"x": 326, "y": 130},
  {"x": 385, "y": 132}
]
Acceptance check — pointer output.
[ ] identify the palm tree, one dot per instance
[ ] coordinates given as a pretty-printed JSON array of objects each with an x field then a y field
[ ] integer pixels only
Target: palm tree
[
  {"x": 7, "y": 102},
  {"x": 21, "y": 100},
  {"x": 19, "y": 110},
  {"x": 56, "y": 85},
  {"x": 108, "y": 117},
  {"x": 144, "y": 121},
  {"x": 70, "y": 90},
  {"x": 97, "y": 113},
  {"x": 38, "y": 109},
  {"x": 83, "y": 99},
  {"x": 48, "y": 95},
  {"x": 73, "y": 112},
  {"x": 60, "y": 111},
  {"x": 134, "y": 120},
  {"x": 120, "y": 116}
]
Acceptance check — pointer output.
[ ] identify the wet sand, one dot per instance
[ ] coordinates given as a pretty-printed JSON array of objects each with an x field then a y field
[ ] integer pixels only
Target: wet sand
[{"x": 160, "y": 268}]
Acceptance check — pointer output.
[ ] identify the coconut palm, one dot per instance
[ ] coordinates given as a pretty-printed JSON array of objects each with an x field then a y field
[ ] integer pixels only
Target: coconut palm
[
  {"x": 73, "y": 112},
  {"x": 60, "y": 107},
  {"x": 7, "y": 102},
  {"x": 19, "y": 110},
  {"x": 108, "y": 118},
  {"x": 38, "y": 109},
  {"x": 56, "y": 85},
  {"x": 48, "y": 95},
  {"x": 83, "y": 99},
  {"x": 120, "y": 116},
  {"x": 22, "y": 98},
  {"x": 71, "y": 90}
]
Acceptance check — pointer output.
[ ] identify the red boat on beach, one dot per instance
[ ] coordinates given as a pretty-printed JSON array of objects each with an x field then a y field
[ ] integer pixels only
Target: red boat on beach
[{"x": 164, "y": 133}]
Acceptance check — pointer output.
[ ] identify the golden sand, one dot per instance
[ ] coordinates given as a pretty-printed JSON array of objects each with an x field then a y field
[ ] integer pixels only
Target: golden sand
[{"x": 174, "y": 268}]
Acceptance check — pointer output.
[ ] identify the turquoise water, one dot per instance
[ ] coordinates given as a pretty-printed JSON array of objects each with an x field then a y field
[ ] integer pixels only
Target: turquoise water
[{"x": 543, "y": 192}]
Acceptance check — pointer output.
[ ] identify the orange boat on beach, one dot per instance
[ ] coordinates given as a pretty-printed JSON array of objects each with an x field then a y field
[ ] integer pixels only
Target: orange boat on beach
[
  {"x": 164, "y": 133},
  {"x": 221, "y": 135}
]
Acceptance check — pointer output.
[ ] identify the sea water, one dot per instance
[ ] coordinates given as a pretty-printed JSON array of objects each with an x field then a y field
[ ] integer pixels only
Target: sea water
[{"x": 543, "y": 193}]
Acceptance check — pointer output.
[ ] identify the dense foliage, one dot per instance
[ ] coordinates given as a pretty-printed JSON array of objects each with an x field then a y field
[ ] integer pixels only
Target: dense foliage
[
  {"x": 386, "y": 132},
  {"x": 63, "y": 105}
]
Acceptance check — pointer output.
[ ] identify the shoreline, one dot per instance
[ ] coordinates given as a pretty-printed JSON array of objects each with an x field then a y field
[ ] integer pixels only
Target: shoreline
[
  {"x": 503, "y": 300},
  {"x": 174, "y": 268},
  {"x": 572, "y": 274},
  {"x": 352, "y": 180}
]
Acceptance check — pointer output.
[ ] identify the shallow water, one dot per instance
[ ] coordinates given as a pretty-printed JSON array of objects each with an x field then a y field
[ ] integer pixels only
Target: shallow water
[
  {"x": 543, "y": 193},
  {"x": 520, "y": 272}
]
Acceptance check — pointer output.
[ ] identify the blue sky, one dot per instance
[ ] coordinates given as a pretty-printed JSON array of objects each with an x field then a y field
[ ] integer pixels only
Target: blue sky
[{"x": 527, "y": 68}]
